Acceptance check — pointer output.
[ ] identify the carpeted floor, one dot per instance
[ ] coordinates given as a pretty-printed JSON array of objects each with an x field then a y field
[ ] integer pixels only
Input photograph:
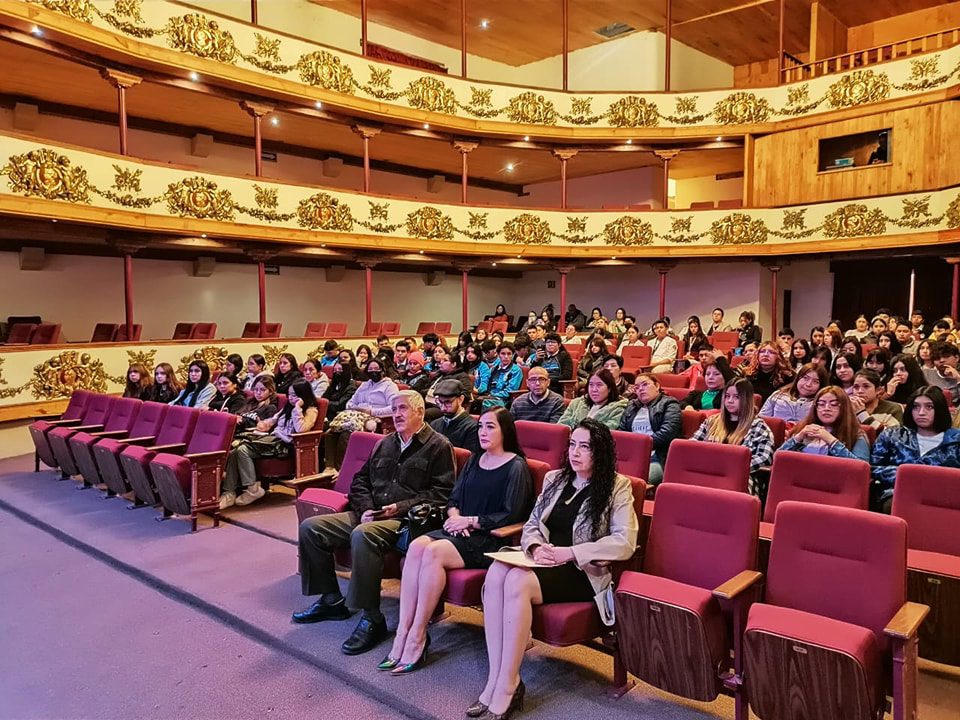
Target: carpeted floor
[{"x": 108, "y": 614}]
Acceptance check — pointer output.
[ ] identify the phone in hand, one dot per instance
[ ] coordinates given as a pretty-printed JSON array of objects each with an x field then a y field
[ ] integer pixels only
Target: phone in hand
[{"x": 380, "y": 514}]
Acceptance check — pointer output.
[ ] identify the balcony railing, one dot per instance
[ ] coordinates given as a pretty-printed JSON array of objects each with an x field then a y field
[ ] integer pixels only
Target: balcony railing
[{"x": 795, "y": 70}]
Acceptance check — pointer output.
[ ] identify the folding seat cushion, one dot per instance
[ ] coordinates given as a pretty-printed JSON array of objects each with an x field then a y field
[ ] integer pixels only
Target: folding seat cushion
[
  {"x": 183, "y": 331},
  {"x": 565, "y": 624},
  {"x": 20, "y": 333},
  {"x": 322, "y": 501},
  {"x": 372, "y": 329},
  {"x": 678, "y": 394},
  {"x": 315, "y": 330},
  {"x": 390, "y": 328},
  {"x": 673, "y": 380},
  {"x": 203, "y": 331},
  {"x": 426, "y": 327},
  {"x": 725, "y": 467},
  {"x": 96, "y": 413},
  {"x": 135, "y": 459},
  {"x": 212, "y": 434},
  {"x": 46, "y": 334},
  {"x": 690, "y": 422},
  {"x": 135, "y": 331},
  {"x": 103, "y": 332},
  {"x": 836, "y": 575},
  {"x": 72, "y": 415},
  {"x": 250, "y": 330},
  {"x": 106, "y": 452},
  {"x": 779, "y": 429},
  {"x": 118, "y": 424},
  {"x": 443, "y": 328},
  {"x": 336, "y": 330},
  {"x": 544, "y": 442},
  {"x": 633, "y": 453}
]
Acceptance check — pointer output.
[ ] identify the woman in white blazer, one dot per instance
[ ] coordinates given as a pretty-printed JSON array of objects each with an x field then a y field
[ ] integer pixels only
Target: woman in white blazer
[{"x": 583, "y": 520}]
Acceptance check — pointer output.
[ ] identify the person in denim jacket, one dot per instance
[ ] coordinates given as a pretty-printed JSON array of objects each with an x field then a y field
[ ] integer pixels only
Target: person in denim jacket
[
  {"x": 831, "y": 428},
  {"x": 925, "y": 438}
]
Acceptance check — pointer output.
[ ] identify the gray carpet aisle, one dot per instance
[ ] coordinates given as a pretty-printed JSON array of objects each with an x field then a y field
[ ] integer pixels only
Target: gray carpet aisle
[{"x": 107, "y": 613}]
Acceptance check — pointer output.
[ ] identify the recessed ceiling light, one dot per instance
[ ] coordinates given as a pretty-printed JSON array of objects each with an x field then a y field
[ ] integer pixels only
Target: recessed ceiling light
[
  {"x": 526, "y": 138},
  {"x": 421, "y": 252},
  {"x": 323, "y": 244},
  {"x": 54, "y": 220},
  {"x": 203, "y": 235},
  {"x": 629, "y": 141},
  {"x": 426, "y": 126},
  {"x": 719, "y": 139},
  {"x": 274, "y": 120},
  {"x": 518, "y": 257},
  {"x": 36, "y": 31},
  {"x": 494, "y": 264},
  {"x": 509, "y": 167},
  {"x": 484, "y": 24},
  {"x": 318, "y": 105},
  {"x": 194, "y": 76}
]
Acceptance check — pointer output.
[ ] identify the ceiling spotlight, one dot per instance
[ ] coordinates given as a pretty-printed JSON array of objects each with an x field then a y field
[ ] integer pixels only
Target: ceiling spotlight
[
  {"x": 719, "y": 139},
  {"x": 614, "y": 257},
  {"x": 629, "y": 141},
  {"x": 421, "y": 252},
  {"x": 54, "y": 220},
  {"x": 526, "y": 138},
  {"x": 494, "y": 264},
  {"x": 274, "y": 121},
  {"x": 484, "y": 24},
  {"x": 203, "y": 235},
  {"x": 318, "y": 105},
  {"x": 194, "y": 76},
  {"x": 510, "y": 167},
  {"x": 37, "y": 32},
  {"x": 323, "y": 244},
  {"x": 426, "y": 126}
]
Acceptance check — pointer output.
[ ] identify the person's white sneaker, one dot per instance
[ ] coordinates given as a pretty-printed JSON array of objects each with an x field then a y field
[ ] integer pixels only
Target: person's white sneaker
[
  {"x": 227, "y": 499},
  {"x": 251, "y": 494}
]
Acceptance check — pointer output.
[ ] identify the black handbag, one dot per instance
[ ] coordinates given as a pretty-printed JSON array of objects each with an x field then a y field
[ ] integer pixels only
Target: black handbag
[{"x": 420, "y": 520}]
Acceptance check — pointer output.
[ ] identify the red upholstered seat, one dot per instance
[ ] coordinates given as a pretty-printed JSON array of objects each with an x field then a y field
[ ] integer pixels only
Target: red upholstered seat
[
  {"x": 183, "y": 331},
  {"x": 315, "y": 330},
  {"x": 72, "y": 415},
  {"x": 565, "y": 624},
  {"x": 853, "y": 640},
  {"x": 673, "y": 625},
  {"x": 443, "y": 328},
  {"x": 103, "y": 332},
  {"x": 678, "y": 394},
  {"x": 135, "y": 460},
  {"x": 372, "y": 329},
  {"x": 779, "y": 429},
  {"x": 818, "y": 479},
  {"x": 633, "y": 453},
  {"x": 190, "y": 484},
  {"x": 203, "y": 331},
  {"x": 106, "y": 452},
  {"x": 544, "y": 441},
  {"x": 673, "y": 380},
  {"x": 121, "y": 335},
  {"x": 690, "y": 422},
  {"x": 336, "y": 330},
  {"x": 725, "y": 467},
  {"x": 837, "y": 577},
  {"x": 118, "y": 424},
  {"x": 928, "y": 499},
  {"x": 46, "y": 334},
  {"x": 390, "y": 328},
  {"x": 20, "y": 333},
  {"x": 499, "y": 326},
  {"x": 96, "y": 414},
  {"x": 426, "y": 327}
]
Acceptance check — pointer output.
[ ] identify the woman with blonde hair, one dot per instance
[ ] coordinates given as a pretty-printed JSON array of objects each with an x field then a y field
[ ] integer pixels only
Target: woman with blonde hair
[{"x": 738, "y": 423}]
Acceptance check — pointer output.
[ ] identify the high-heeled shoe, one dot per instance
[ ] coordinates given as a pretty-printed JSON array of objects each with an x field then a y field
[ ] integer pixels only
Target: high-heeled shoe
[
  {"x": 476, "y": 710},
  {"x": 416, "y": 664},
  {"x": 516, "y": 704},
  {"x": 388, "y": 663}
]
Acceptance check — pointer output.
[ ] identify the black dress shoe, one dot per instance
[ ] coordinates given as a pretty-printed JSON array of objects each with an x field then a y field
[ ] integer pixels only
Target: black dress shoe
[
  {"x": 319, "y": 611},
  {"x": 366, "y": 636}
]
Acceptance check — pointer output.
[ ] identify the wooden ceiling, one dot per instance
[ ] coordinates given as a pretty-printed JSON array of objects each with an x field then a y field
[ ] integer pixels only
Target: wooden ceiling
[
  {"x": 736, "y": 31},
  {"x": 69, "y": 88}
]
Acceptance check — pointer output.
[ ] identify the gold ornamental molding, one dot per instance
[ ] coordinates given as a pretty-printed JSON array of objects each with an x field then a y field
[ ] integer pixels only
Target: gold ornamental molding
[
  {"x": 69, "y": 183},
  {"x": 166, "y": 33}
]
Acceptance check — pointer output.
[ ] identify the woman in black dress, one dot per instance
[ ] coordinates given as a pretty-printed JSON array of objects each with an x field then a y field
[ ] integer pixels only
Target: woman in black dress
[
  {"x": 493, "y": 490},
  {"x": 583, "y": 520}
]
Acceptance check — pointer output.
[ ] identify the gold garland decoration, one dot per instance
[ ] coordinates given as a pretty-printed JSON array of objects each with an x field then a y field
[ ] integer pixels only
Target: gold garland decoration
[{"x": 58, "y": 376}]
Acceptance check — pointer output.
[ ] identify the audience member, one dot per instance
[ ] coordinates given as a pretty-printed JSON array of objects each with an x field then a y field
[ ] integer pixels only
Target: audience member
[
  {"x": 694, "y": 338},
  {"x": 823, "y": 356},
  {"x": 591, "y": 361},
  {"x": 229, "y": 397},
  {"x": 483, "y": 336},
  {"x": 656, "y": 414},
  {"x": 263, "y": 406},
  {"x": 715, "y": 376},
  {"x": 904, "y": 335},
  {"x": 845, "y": 367},
  {"x": 631, "y": 339},
  {"x": 449, "y": 368},
  {"x": 906, "y": 378},
  {"x": 831, "y": 428},
  {"x": 869, "y": 405},
  {"x": 272, "y": 438},
  {"x": 400, "y": 351},
  {"x": 198, "y": 392},
  {"x": 737, "y": 423},
  {"x": 363, "y": 355},
  {"x": 417, "y": 378},
  {"x": 138, "y": 382},
  {"x": 570, "y": 337},
  {"x": 233, "y": 365},
  {"x": 319, "y": 382},
  {"x": 851, "y": 345},
  {"x": 944, "y": 374},
  {"x": 166, "y": 387},
  {"x": 582, "y": 521},
  {"x": 861, "y": 328},
  {"x": 925, "y": 355},
  {"x": 614, "y": 364},
  {"x": 374, "y": 396},
  {"x": 455, "y": 423},
  {"x": 555, "y": 360},
  {"x": 879, "y": 360},
  {"x": 288, "y": 372},
  {"x": 817, "y": 337},
  {"x": 602, "y": 403},
  {"x": 500, "y": 314},
  {"x": 878, "y": 326},
  {"x": 574, "y": 316},
  {"x": 769, "y": 371},
  {"x": 663, "y": 348},
  {"x": 618, "y": 325},
  {"x": 717, "y": 324},
  {"x": 540, "y": 403},
  {"x": 546, "y": 322},
  {"x": 409, "y": 467},
  {"x": 800, "y": 353},
  {"x": 331, "y": 353},
  {"x": 916, "y": 323},
  {"x": 749, "y": 332},
  {"x": 793, "y": 402},
  {"x": 785, "y": 341},
  {"x": 530, "y": 322},
  {"x": 925, "y": 438},
  {"x": 595, "y": 315},
  {"x": 505, "y": 378},
  {"x": 888, "y": 341},
  {"x": 256, "y": 366}
]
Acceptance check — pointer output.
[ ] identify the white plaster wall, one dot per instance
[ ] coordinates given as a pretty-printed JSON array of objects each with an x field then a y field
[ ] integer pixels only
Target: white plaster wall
[
  {"x": 614, "y": 190},
  {"x": 698, "y": 189}
]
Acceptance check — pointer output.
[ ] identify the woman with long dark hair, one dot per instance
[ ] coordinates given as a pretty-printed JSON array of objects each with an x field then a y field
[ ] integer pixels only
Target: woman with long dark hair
[
  {"x": 343, "y": 385},
  {"x": 845, "y": 367},
  {"x": 494, "y": 489},
  {"x": 229, "y": 397},
  {"x": 906, "y": 378},
  {"x": 256, "y": 366},
  {"x": 275, "y": 439},
  {"x": 165, "y": 385},
  {"x": 831, "y": 428},
  {"x": 793, "y": 403},
  {"x": 602, "y": 402},
  {"x": 288, "y": 372},
  {"x": 263, "y": 406},
  {"x": 800, "y": 353},
  {"x": 138, "y": 382},
  {"x": 582, "y": 521},
  {"x": 198, "y": 392},
  {"x": 694, "y": 338}
]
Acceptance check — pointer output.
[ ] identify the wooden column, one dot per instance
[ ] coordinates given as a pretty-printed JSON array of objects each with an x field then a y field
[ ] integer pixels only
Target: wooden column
[
  {"x": 363, "y": 27},
  {"x": 955, "y": 291},
  {"x": 566, "y": 42},
  {"x": 663, "y": 269},
  {"x": 780, "y": 21},
  {"x": 563, "y": 270},
  {"x": 127, "y": 249},
  {"x": 463, "y": 38},
  {"x": 368, "y": 264},
  {"x": 666, "y": 156},
  {"x": 563, "y": 156},
  {"x": 749, "y": 158},
  {"x": 254, "y": 15},
  {"x": 257, "y": 111},
  {"x": 668, "y": 32},
  {"x": 774, "y": 269},
  {"x": 464, "y": 148},
  {"x": 464, "y": 269},
  {"x": 366, "y": 132},
  {"x": 261, "y": 256},
  {"x": 121, "y": 81}
]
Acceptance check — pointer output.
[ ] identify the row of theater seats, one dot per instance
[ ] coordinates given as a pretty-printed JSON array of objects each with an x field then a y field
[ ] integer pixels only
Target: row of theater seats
[
  {"x": 696, "y": 205},
  {"x": 113, "y": 332},
  {"x": 33, "y": 334}
]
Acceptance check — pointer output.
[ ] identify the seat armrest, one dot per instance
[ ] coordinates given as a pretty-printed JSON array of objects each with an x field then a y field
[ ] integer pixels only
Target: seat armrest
[
  {"x": 906, "y": 622},
  {"x": 204, "y": 457},
  {"x": 144, "y": 440},
  {"x": 306, "y": 438},
  {"x": 737, "y": 585},
  {"x": 111, "y": 434},
  {"x": 507, "y": 531},
  {"x": 177, "y": 448},
  {"x": 88, "y": 428},
  {"x": 56, "y": 420}
]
